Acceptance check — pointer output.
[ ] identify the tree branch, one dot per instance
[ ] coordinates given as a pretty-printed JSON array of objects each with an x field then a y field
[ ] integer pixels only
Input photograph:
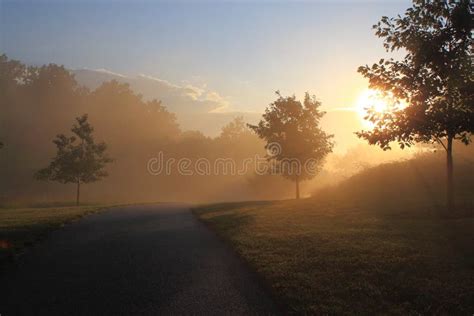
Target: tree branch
[{"x": 441, "y": 142}]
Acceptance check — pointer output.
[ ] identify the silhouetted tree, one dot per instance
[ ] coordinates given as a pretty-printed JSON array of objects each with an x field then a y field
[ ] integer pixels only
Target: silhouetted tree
[
  {"x": 10, "y": 72},
  {"x": 435, "y": 79},
  {"x": 296, "y": 144},
  {"x": 79, "y": 159}
]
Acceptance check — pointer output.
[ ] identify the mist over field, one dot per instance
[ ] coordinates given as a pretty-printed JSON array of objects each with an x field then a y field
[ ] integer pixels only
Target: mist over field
[
  {"x": 37, "y": 108},
  {"x": 127, "y": 116}
]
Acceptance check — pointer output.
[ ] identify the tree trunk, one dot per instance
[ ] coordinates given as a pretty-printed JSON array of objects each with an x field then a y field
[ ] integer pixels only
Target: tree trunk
[
  {"x": 297, "y": 182},
  {"x": 78, "y": 192},
  {"x": 449, "y": 176}
]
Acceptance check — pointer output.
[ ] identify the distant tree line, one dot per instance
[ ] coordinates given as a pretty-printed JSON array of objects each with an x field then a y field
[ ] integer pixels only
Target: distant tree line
[{"x": 39, "y": 102}]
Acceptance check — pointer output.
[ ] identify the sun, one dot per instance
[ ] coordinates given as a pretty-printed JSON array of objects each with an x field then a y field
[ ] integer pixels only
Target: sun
[{"x": 371, "y": 99}]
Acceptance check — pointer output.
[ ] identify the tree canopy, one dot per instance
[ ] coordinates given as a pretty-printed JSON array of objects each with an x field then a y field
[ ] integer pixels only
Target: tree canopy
[
  {"x": 435, "y": 78},
  {"x": 294, "y": 137},
  {"x": 79, "y": 159}
]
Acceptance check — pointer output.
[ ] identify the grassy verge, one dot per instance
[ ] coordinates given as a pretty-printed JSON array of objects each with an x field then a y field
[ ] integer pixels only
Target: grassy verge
[
  {"x": 335, "y": 258},
  {"x": 21, "y": 227}
]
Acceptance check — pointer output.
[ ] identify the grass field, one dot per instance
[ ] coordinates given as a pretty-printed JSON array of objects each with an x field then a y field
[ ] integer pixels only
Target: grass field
[
  {"x": 21, "y": 227},
  {"x": 336, "y": 257}
]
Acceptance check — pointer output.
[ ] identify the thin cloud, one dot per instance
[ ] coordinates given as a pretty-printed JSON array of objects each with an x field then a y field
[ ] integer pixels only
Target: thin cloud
[
  {"x": 108, "y": 72},
  {"x": 177, "y": 98}
]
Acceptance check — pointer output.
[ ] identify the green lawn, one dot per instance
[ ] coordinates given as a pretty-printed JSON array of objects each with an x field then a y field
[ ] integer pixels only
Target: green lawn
[
  {"x": 339, "y": 258},
  {"x": 20, "y": 227}
]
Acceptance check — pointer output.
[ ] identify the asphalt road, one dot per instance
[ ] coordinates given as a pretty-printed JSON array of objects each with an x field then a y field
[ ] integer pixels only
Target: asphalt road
[{"x": 140, "y": 260}]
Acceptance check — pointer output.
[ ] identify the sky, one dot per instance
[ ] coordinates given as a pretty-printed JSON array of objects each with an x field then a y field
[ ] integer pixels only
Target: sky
[{"x": 243, "y": 50}]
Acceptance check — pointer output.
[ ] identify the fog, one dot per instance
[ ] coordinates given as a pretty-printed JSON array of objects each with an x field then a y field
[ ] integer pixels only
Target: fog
[{"x": 37, "y": 103}]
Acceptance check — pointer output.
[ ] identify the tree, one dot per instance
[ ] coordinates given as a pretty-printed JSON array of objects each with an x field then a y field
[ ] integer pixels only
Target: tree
[
  {"x": 10, "y": 72},
  {"x": 296, "y": 144},
  {"x": 237, "y": 140},
  {"x": 79, "y": 159},
  {"x": 435, "y": 79},
  {"x": 116, "y": 104},
  {"x": 235, "y": 130}
]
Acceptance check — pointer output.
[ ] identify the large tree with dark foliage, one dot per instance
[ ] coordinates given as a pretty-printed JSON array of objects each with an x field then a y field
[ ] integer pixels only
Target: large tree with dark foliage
[
  {"x": 296, "y": 144},
  {"x": 435, "y": 79},
  {"x": 79, "y": 159}
]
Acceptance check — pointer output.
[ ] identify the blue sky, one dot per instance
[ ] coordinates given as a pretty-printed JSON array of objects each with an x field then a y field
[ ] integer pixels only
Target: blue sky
[
  {"x": 291, "y": 46},
  {"x": 243, "y": 50}
]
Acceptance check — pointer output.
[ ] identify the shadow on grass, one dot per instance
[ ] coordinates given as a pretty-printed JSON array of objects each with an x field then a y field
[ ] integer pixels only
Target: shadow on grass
[
  {"x": 340, "y": 257},
  {"x": 227, "y": 206},
  {"x": 230, "y": 223}
]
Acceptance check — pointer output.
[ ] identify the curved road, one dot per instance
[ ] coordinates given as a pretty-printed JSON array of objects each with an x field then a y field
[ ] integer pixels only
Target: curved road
[{"x": 138, "y": 260}]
